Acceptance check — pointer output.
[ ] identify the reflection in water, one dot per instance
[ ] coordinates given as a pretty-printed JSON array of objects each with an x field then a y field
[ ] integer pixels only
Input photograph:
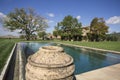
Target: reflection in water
[{"x": 84, "y": 59}]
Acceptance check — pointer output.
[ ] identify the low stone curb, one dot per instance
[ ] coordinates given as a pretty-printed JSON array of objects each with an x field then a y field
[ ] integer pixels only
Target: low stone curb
[
  {"x": 3, "y": 73},
  {"x": 16, "y": 69},
  {"x": 19, "y": 65}
]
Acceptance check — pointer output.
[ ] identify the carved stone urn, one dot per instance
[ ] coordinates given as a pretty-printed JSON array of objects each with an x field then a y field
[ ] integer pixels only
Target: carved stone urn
[{"x": 50, "y": 63}]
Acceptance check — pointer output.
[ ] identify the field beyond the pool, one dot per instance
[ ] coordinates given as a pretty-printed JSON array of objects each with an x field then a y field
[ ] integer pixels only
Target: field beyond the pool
[
  {"x": 6, "y": 46},
  {"x": 114, "y": 46}
]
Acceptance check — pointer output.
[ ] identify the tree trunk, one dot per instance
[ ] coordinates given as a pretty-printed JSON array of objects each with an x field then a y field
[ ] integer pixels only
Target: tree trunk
[{"x": 27, "y": 37}]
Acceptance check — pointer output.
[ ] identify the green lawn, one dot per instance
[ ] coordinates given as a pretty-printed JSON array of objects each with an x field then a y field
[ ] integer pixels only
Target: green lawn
[
  {"x": 115, "y": 46},
  {"x": 6, "y": 46}
]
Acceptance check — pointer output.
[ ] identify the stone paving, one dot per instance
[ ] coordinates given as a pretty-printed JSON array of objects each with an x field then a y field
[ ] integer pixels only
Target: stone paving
[{"x": 106, "y": 73}]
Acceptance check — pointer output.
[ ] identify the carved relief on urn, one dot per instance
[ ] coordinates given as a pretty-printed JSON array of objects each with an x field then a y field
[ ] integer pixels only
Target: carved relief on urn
[{"x": 50, "y": 63}]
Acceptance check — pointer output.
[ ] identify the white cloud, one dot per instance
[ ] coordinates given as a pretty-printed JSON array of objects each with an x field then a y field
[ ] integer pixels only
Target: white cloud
[
  {"x": 51, "y": 15},
  {"x": 45, "y": 20},
  {"x": 78, "y": 17},
  {"x": 2, "y": 17},
  {"x": 50, "y": 21},
  {"x": 113, "y": 20}
]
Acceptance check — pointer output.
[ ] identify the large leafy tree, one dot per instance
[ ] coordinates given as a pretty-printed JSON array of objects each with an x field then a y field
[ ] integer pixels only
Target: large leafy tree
[
  {"x": 42, "y": 34},
  {"x": 57, "y": 32},
  {"x": 98, "y": 29},
  {"x": 69, "y": 28},
  {"x": 25, "y": 20}
]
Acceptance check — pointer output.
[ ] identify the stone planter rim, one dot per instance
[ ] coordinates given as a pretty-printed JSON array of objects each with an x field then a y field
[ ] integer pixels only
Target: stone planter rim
[
  {"x": 52, "y": 50},
  {"x": 50, "y": 65}
]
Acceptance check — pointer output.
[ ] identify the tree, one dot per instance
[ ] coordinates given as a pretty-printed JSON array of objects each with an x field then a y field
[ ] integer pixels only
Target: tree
[
  {"x": 113, "y": 36},
  {"x": 55, "y": 33},
  {"x": 42, "y": 34},
  {"x": 25, "y": 20},
  {"x": 98, "y": 29},
  {"x": 22, "y": 36},
  {"x": 69, "y": 28}
]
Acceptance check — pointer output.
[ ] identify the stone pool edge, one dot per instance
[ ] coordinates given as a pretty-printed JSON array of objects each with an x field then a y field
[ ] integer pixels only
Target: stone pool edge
[{"x": 19, "y": 73}]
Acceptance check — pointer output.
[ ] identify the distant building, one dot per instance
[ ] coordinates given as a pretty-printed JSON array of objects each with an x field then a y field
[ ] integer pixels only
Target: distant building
[
  {"x": 85, "y": 31},
  {"x": 48, "y": 36},
  {"x": 58, "y": 37},
  {"x": 51, "y": 36}
]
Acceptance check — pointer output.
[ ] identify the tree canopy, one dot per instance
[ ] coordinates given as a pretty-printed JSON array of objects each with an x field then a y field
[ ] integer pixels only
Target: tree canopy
[
  {"x": 69, "y": 28},
  {"x": 98, "y": 29},
  {"x": 42, "y": 34},
  {"x": 25, "y": 20}
]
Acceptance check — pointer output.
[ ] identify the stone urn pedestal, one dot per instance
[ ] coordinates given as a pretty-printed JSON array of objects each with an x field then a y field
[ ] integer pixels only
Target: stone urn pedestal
[{"x": 50, "y": 63}]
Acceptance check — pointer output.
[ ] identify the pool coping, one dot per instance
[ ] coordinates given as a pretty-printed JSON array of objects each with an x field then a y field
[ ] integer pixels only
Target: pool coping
[{"x": 19, "y": 73}]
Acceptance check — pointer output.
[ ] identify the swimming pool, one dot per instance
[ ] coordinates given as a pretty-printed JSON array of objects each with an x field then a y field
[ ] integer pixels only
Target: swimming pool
[{"x": 84, "y": 59}]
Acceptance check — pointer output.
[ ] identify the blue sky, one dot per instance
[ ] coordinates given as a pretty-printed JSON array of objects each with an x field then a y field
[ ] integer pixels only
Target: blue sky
[{"x": 55, "y": 10}]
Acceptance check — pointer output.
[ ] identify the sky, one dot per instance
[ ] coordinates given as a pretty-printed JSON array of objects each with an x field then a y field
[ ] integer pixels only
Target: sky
[{"x": 56, "y": 10}]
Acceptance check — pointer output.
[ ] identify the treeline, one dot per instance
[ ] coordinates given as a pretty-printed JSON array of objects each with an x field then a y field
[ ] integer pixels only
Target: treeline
[
  {"x": 70, "y": 29},
  {"x": 113, "y": 36}
]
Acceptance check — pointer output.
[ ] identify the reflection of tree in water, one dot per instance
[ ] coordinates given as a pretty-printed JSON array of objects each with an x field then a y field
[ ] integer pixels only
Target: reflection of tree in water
[
  {"x": 32, "y": 47},
  {"x": 28, "y": 51},
  {"x": 75, "y": 53},
  {"x": 71, "y": 50},
  {"x": 96, "y": 60}
]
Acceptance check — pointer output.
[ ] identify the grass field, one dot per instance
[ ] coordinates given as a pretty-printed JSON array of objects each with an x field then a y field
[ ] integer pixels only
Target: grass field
[
  {"x": 6, "y": 46},
  {"x": 115, "y": 46}
]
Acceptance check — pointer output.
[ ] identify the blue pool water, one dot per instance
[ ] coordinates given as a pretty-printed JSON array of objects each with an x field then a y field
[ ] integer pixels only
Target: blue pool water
[{"x": 84, "y": 59}]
